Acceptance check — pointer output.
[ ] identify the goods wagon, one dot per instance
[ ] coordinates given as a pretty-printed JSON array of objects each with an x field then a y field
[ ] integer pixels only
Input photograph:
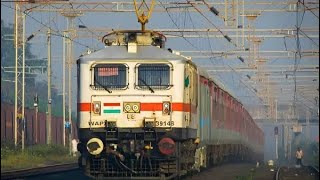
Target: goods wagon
[{"x": 32, "y": 130}]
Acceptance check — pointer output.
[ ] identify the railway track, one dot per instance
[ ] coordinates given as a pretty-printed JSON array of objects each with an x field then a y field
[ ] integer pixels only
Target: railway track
[
  {"x": 293, "y": 173},
  {"x": 23, "y": 173}
]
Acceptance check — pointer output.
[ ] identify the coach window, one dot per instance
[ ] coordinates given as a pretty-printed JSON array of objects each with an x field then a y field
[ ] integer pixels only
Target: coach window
[
  {"x": 110, "y": 76},
  {"x": 153, "y": 76}
]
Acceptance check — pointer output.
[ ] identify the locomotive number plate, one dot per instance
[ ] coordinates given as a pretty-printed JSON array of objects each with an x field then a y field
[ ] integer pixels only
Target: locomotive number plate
[{"x": 164, "y": 123}]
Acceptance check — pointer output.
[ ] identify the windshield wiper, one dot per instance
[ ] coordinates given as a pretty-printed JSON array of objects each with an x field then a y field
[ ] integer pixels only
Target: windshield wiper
[
  {"x": 104, "y": 87},
  {"x": 152, "y": 91}
]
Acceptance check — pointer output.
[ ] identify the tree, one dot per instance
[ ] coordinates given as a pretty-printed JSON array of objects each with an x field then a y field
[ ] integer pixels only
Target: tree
[
  {"x": 8, "y": 63},
  {"x": 32, "y": 87},
  {"x": 7, "y": 46}
]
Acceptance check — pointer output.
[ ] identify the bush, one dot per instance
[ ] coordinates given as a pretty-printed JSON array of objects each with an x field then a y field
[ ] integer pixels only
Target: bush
[{"x": 7, "y": 149}]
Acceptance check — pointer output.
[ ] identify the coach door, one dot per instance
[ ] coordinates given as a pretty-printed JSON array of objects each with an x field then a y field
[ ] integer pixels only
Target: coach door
[{"x": 190, "y": 94}]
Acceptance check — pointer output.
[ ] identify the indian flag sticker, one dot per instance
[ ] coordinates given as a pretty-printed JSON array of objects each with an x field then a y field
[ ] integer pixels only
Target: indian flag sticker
[{"x": 113, "y": 108}]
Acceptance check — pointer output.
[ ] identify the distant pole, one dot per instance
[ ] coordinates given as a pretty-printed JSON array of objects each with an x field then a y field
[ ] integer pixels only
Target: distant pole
[
  {"x": 243, "y": 24},
  {"x": 292, "y": 116},
  {"x": 69, "y": 48},
  {"x": 49, "y": 89},
  {"x": 277, "y": 137},
  {"x": 16, "y": 47},
  {"x": 70, "y": 57},
  {"x": 36, "y": 105},
  {"x": 23, "y": 81},
  {"x": 64, "y": 91},
  {"x": 308, "y": 125}
]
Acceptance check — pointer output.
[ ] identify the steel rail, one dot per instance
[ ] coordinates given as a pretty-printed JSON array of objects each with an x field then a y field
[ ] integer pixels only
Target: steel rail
[
  {"x": 277, "y": 177},
  {"x": 38, "y": 170}
]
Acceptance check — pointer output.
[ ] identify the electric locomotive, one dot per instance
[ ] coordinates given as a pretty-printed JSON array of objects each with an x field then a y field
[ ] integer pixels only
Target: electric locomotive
[
  {"x": 137, "y": 109},
  {"x": 146, "y": 112}
]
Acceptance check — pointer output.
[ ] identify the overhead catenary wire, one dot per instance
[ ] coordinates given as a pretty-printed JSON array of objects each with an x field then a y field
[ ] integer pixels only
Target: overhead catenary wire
[
  {"x": 57, "y": 32},
  {"x": 297, "y": 54},
  {"x": 178, "y": 27},
  {"x": 251, "y": 89},
  {"x": 222, "y": 33},
  {"x": 86, "y": 27},
  {"x": 305, "y": 35},
  {"x": 219, "y": 30},
  {"x": 220, "y": 56},
  {"x": 309, "y": 9}
]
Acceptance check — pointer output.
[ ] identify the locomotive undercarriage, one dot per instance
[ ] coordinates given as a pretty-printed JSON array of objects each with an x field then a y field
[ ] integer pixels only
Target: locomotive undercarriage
[{"x": 135, "y": 153}]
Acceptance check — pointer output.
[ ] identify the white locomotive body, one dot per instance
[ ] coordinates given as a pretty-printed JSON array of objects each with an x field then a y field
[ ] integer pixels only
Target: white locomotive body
[{"x": 146, "y": 112}]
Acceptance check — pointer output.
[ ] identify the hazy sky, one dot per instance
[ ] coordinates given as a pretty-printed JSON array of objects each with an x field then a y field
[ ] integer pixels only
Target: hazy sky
[
  {"x": 184, "y": 20},
  {"x": 270, "y": 147},
  {"x": 162, "y": 20},
  {"x": 188, "y": 20}
]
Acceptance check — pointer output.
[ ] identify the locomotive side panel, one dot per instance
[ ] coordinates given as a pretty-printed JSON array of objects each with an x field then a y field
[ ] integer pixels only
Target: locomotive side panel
[{"x": 192, "y": 95}]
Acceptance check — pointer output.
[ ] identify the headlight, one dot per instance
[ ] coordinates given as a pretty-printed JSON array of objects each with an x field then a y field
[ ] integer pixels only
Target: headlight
[
  {"x": 127, "y": 108},
  {"x": 166, "y": 108},
  {"x": 94, "y": 146},
  {"x": 131, "y": 107},
  {"x": 167, "y": 146},
  {"x": 97, "y": 107}
]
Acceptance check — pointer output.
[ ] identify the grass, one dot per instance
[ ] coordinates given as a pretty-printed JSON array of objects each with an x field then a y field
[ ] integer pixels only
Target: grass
[
  {"x": 247, "y": 177},
  {"x": 33, "y": 156}
]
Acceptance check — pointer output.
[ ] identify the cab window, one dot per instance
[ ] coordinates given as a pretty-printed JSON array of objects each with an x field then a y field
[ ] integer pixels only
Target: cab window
[
  {"x": 155, "y": 76},
  {"x": 111, "y": 76}
]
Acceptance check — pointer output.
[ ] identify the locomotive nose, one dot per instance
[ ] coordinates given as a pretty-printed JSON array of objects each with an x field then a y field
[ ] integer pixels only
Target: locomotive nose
[{"x": 167, "y": 146}]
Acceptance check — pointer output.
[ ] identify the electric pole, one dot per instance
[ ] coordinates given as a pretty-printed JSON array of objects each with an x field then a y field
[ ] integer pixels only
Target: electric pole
[
  {"x": 49, "y": 89},
  {"x": 64, "y": 90},
  {"x": 277, "y": 137},
  {"x": 36, "y": 106},
  {"x": 70, "y": 35},
  {"x": 19, "y": 45},
  {"x": 308, "y": 125},
  {"x": 70, "y": 57}
]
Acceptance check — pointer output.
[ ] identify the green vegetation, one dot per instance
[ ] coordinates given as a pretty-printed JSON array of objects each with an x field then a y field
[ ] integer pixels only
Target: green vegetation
[
  {"x": 33, "y": 156},
  {"x": 250, "y": 176}
]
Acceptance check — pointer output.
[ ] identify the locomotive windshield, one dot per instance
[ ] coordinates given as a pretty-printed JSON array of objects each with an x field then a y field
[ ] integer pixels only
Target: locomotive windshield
[
  {"x": 109, "y": 76},
  {"x": 154, "y": 76}
]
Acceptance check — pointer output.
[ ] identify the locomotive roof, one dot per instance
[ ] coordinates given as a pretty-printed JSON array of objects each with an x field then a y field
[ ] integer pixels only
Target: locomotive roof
[{"x": 121, "y": 52}]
